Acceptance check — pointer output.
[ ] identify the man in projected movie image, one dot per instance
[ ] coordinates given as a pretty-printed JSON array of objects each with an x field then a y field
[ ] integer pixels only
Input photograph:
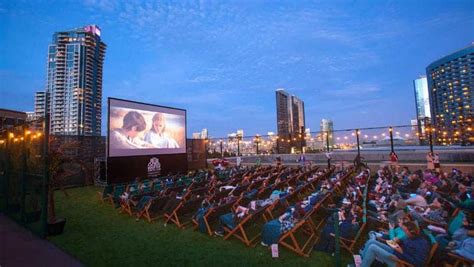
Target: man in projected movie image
[
  {"x": 156, "y": 135},
  {"x": 127, "y": 136}
]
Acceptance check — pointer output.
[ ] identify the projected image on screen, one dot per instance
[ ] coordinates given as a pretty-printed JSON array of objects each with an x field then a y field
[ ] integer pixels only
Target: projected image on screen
[{"x": 141, "y": 129}]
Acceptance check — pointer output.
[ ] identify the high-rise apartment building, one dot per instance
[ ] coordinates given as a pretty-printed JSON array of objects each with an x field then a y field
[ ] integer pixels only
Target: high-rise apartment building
[
  {"x": 451, "y": 91},
  {"x": 327, "y": 127},
  {"x": 290, "y": 119},
  {"x": 284, "y": 114},
  {"x": 74, "y": 81},
  {"x": 298, "y": 115},
  {"x": 423, "y": 109}
]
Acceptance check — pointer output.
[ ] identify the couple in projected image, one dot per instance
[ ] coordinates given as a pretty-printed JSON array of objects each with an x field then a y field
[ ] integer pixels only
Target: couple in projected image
[{"x": 133, "y": 124}]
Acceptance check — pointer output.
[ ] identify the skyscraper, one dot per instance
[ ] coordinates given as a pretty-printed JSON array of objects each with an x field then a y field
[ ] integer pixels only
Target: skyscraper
[
  {"x": 422, "y": 101},
  {"x": 290, "y": 119},
  {"x": 451, "y": 88},
  {"x": 298, "y": 115},
  {"x": 284, "y": 114},
  {"x": 74, "y": 81},
  {"x": 327, "y": 127}
]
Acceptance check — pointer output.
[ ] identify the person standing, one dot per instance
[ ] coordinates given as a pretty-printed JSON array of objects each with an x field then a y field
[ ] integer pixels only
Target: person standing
[
  {"x": 238, "y": 161},
  {"x": 436, "y": 164},
  {"x": 429, "y": 161}
]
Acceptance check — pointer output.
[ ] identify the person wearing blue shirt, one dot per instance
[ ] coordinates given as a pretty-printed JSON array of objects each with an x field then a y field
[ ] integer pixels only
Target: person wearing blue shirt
[{"x": 414, "y": 249}]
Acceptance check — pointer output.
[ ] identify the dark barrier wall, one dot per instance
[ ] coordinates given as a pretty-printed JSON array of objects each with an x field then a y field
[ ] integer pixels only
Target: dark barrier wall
[
  {"x": 196, "y": 154},
  {"x": 126, "y": 169}
]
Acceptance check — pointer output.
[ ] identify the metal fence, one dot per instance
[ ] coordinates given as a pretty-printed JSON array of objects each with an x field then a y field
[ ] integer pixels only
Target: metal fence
[
  {"x": 385, "y": 138},
  {"x": 32, "y": 163}
]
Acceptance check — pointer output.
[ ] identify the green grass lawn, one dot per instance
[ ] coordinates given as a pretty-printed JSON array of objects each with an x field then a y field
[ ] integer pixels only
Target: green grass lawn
[{"x": 97, "y": 235}]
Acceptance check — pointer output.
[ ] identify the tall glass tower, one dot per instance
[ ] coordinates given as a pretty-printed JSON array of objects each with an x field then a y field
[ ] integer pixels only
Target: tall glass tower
[
  {"x": 423, "y": 110},
  {"x": 451, "y": 90},
  {"x": 74, "y": 81}
]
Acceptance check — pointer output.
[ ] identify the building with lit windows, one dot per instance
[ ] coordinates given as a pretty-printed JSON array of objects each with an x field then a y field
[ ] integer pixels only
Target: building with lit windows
[
  {"x": 74, "y": 82},
  {"x": 327, "y": 127},
  {"x": 451, "y": 88},
  {"x": 290, "y": 120},
  {"x": 423, "y": 109}
]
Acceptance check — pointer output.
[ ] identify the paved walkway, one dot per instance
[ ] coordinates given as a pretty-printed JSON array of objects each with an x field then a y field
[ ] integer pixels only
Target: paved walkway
[{"x": 20, "y": 247}]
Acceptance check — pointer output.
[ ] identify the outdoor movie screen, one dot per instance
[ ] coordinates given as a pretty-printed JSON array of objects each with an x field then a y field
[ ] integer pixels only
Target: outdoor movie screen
[{"x": 137, "y": 129}]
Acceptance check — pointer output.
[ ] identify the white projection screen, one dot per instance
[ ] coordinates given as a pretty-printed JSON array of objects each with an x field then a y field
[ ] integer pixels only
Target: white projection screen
[{"x": 138, "y": 129}]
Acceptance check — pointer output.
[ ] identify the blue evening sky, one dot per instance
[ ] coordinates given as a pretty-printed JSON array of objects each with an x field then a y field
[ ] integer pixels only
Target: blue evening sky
[{"x": 350, "y": 61}]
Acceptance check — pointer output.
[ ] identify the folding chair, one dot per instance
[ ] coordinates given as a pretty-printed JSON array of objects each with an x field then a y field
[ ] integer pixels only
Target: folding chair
[
  {"x": 247, "y": 224},
  {"x": 115, "y": 196},
  {"x": 178, "y": 215},
  {"x": 434, "y": 247},
  {"x": 154, "y": 208},
  {"x": 213, "y": 214},
  {"x": 458, "y": 259},
  {"x": 349, "y": 244},
  {"x": 105, "y": 194},
  {"x": 301, "y": 238}
]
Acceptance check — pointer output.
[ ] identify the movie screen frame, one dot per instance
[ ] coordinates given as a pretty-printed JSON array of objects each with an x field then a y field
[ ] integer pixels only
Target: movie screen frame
[{"x": 146, "y": 111}]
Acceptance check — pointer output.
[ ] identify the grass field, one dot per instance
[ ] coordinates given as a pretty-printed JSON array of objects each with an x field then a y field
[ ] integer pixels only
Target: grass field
[{"x": 97, "y": 235}]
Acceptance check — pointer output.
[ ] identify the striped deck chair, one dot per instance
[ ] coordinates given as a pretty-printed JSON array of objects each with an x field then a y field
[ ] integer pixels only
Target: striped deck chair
[
  {"x": 105, "y": 194},
  {"x": 182, "y": 213},
  {"x": 434, "y": 247},
  {"x": 115, "y": 196},
  {"x": 240, "y": 189},
  {"x": 459, "y": 260},
  {"x": 218, "y": 195},
  {"x": 301, "y": 238},
  {"x": 213, "y": 214},
  {"x": 349, "y": 244},
  {"x": 248, "y": 224},
  {"x": 154, "y": 208}
]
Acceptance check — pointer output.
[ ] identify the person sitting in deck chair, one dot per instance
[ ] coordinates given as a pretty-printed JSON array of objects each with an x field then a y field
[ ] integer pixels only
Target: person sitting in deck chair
[
  {"x": 273, "y": 229},
  {"x": 413, "y": 250}
]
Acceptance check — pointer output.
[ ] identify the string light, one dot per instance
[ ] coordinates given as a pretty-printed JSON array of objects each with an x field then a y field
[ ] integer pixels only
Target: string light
[{"x": 11, "y": 135}]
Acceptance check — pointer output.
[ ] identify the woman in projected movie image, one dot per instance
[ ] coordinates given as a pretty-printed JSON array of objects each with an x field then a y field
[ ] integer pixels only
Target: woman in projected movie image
[
  {"x": 156, "y": 136},
  {"x": 127, "y": 136}
]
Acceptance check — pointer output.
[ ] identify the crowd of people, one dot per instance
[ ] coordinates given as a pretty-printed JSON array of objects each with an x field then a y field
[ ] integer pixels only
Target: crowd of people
[
  {"x": 417, "y": 208},
  {"x": 411, "y": 216}
]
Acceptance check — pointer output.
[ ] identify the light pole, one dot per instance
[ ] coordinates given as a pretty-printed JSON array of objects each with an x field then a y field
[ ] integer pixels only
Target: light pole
[
  {"x": 430, "y": 132},
  {"x": 390, "y": 130},
  {"x": 278, "y": 145},
  {"x": 358, "y": 142},
  {"x": 257, "y": 141},
  {"x": 238, "y": 144},
  {"x": 220, "y": 141},
  {"x": 327, "y": 148}
]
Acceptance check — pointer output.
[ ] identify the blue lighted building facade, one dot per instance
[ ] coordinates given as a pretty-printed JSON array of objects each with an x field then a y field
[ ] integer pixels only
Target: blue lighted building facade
[{"x": 451, "y": 91}]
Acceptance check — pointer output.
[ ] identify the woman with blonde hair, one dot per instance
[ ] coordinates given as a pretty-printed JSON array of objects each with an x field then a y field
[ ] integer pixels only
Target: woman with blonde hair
[{"x": 156, "y": 135}]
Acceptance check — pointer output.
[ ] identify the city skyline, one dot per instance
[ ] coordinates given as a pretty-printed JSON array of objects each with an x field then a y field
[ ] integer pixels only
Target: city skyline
[{"x": 336, "y": 67}]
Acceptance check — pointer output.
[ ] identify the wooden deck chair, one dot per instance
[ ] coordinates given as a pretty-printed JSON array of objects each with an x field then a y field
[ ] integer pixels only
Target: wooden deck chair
[
  {"x": 199, "y": 191},
  {"x": 154, "y": 208},
  {"x": 265, "y": 193},
  {"x": 213, "y": 214},
  {"x": 459, "y": 260},
  {"x": 115, "y": 196},
  {"x": 218, "y": 195},
  {"x": 349, "y": 244},
  {"x": 249, "y": 223},
  {"x": 301, "y": 238},
  {"x": 433, "y": 248},
  {"x": 177, "y": 189},
  {"x": 105, "y": 194},
  {"x": 180, "y": 215},
  {"x": 240, "y": 189}
]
